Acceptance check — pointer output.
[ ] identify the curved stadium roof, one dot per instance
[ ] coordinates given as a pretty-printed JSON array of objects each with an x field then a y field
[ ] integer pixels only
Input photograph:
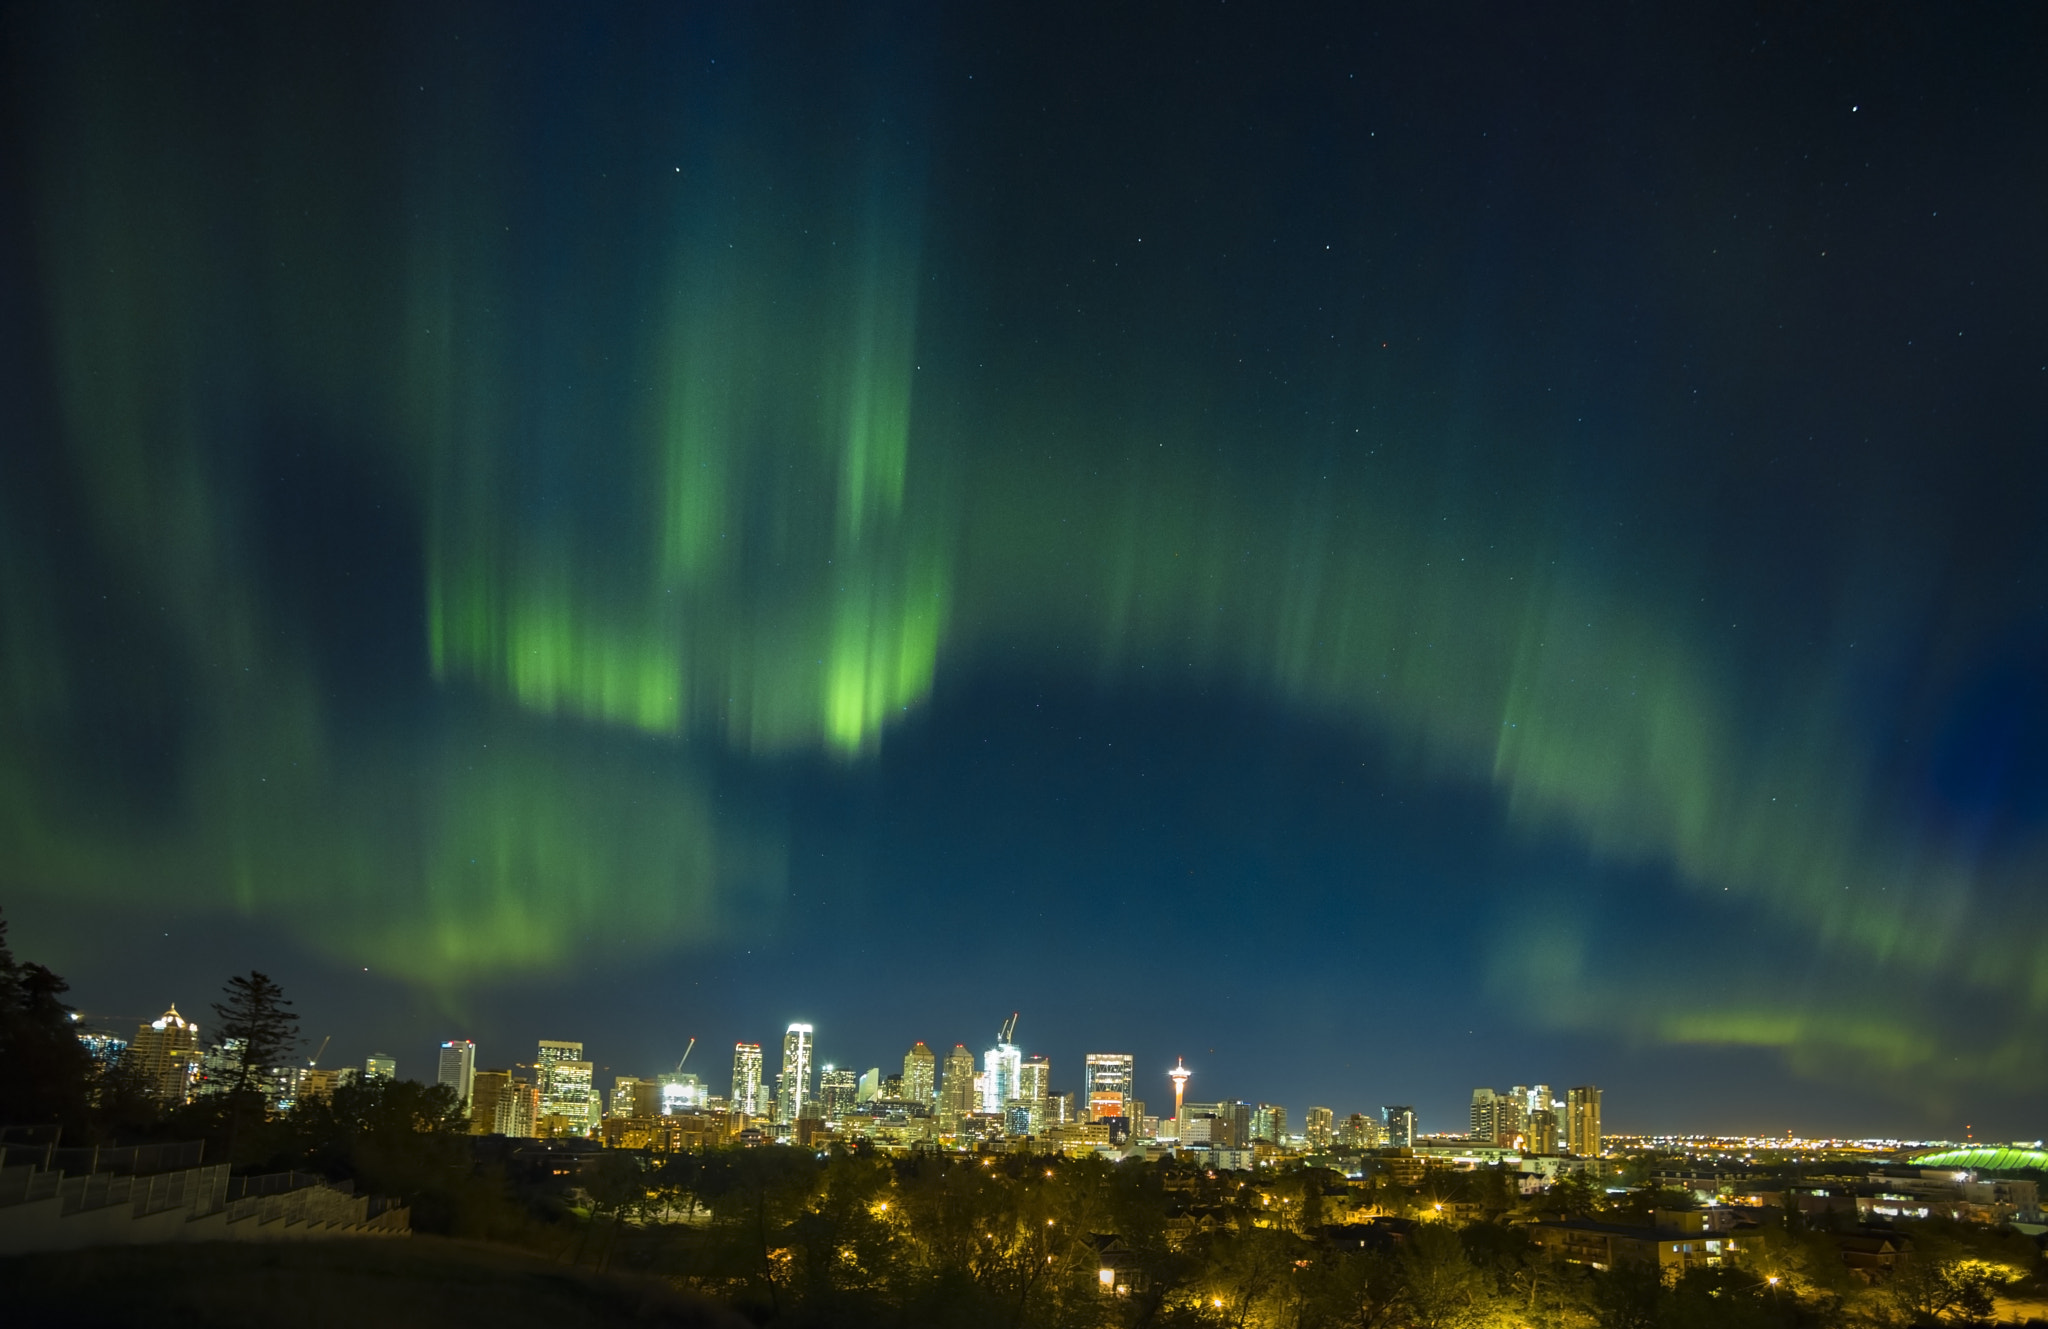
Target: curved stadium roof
[{"x": 1987, "y": 1158}]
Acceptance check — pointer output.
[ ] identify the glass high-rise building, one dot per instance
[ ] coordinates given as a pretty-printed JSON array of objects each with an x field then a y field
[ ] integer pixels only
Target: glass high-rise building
[
  {"x": 457, "y": 1069},
  {"x": 1582, "y": 1121},
  {"x": 957, "y": 1097},
  {"x": 921, "y": 1075},
  {"x": 1107, "y": 1083},
  {"x": 838, "y": 1092},
  {"x": 1320, "y": 1128},
  {"x": 1000, "y": 1066},
  {"x": 1034, "y": 1091},
  {"x": 1399, "y": 1121},
  {"x": 380, "y": 1066},
  {"x": 746, "y": 1079},
  {"x": 794, "y": 1097},
  {"x": 1269, "y": 1123},
  {"x": 564, "y": 1082}
]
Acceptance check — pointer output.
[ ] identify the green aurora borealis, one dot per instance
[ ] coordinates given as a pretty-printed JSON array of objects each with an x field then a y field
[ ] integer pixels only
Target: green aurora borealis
[{"x": 701, "y": 420}]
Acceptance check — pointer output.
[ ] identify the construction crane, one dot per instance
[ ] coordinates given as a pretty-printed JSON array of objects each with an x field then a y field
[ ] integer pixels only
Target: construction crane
[
  {"x": 686, "y": 1053},
  {"x": 315, "y": 1061},
  {"x": 1009, "y": 1031}
]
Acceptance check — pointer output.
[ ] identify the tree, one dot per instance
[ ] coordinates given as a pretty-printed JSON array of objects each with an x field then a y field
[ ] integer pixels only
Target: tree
[
  {"x": 45, "y": 1072},
  {"x": 257, "y": 1018}
]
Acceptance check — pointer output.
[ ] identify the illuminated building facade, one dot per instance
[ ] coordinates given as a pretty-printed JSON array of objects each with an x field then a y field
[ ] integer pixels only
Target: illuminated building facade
[
  {"x": 1107, "y": 1085},
  {"x": 1000, "y": 1066},
  {"x": 920, "y": 1076},
  {"x": 1484, "y": 1116},
  {"x": 165, "y": 1053},
  {"x": 679, "y": 1091},
  {"x": 957, "y": 1096},
  {"x": 568, "y": 1104},
  {"x": 794, "y": 1098},
  {"x": 1582, "y": 1121},
  {"x": 1034, "y": 1090},
  {"x": 503, "y": 1104},
  {"x": 746, "y": 1079},
  {"x": 457, "y": 1068},
  {"x": 1398, "y": 1123},
  {"x": 838, "y": 1092},
  {"x": 1540, "y": 1133},
  {"x": 1269, "y": 1123},
  {"x": 380, "y": 1066},
  {"x": 1320, "y": 1128}
]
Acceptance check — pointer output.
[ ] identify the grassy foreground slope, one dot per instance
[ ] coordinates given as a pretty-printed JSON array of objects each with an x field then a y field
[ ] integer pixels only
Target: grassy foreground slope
[{"x": 427, "y": 1282}]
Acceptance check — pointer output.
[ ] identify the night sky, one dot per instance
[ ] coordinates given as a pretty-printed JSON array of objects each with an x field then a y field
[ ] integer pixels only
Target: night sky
[{"x": 1379, "y": 552}]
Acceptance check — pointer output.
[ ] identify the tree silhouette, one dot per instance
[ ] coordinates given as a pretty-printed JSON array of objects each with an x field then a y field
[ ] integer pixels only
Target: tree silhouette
[{"x": 258, "y": 1018}]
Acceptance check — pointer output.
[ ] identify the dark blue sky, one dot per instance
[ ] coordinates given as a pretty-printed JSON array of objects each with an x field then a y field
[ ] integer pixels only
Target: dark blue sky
[{"x": 1378, "y": 554}]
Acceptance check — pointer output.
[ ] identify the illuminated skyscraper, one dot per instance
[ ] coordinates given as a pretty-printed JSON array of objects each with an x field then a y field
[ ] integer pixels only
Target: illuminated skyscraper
[
  {"x": 870, "y": 1085},
  {"x": 380, "y": 1067},
  {"x": 921, "y": 1075},
  {"x": 1000, "y": 1066},
  {"x": 1320, "y": 1128},
  {"x": 746, "y": 1078},
  {"x": 501, "y": 1104},
  {"x": 165, "y": 1051},
  {"x": 1484, "y": 1118},
  {"x": 957, "y": 1098},
  {"x": 681, "y": 1091},
  {"x": 458, "y": 1068},
  {"x": 1540, "y": 1132},
  {"x": 1269, "y": 1123},
  {"x": 793, "y": 1093},
  {"x": 1582, "y": 1121},
  {"x": 565, "y": 1088},
  {"x": 1399, "y": 1123},
  {"x": 1107, "y": 1085},
  {"x": 1034, "y": 1089},
  {"x": 838, "y": 1091}
]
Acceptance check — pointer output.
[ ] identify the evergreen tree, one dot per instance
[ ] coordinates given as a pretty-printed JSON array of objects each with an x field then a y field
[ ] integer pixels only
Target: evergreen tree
[
  {"x": 257, "y": 1016},
  {"x": 45, "y": 1072}
]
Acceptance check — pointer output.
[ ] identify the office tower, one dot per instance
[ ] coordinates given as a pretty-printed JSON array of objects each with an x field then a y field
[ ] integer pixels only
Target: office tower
[
  {"x": 458, "y": 1068},
  {"x": 1319, "y": 1128},
  {"x": 495, "y": 1102},
  {"x": 957, "y": 1097},
  {"x": 1107, "y": 1085},
  {"x": 1582, "y": 1121},
  {"x": 838, "y": 1092},
  {"x": 165, "y": 1052},
  {"x": 870, "y": 1085},
  {"x": 633, "y": 1096},
  {"x": 1059, "y": 1109},
  {"x": 1269, "y": 1123},
  {"x": 794, "y": 1098},
  {"x": 1000, "y": 1066},
  {"x": 1034, "y": 1089},
  {"x": 380, "y": 1067},
  {"x": 1483, "y": 1116},
  {"x": 920, "y": 1075},
  {"x": 893, "y": 1090},
  {"x": 1540, "y": 1099},
  {"x": 1398, "y": 1126},
  {"x": 567, "y": 1103},
  {"x": 746, "y": 1079},
  {"x": 1540, "y": 1134},
  {"x": 678, "y": 1091}
]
